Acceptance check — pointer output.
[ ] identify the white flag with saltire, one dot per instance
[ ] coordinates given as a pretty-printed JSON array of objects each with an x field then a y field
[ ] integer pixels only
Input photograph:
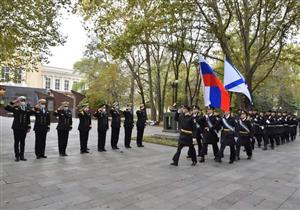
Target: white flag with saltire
[{"x": 234, "y": 80}]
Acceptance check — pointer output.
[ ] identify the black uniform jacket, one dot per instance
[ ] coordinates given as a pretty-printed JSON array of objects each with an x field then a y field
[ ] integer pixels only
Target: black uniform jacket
[
  {"x": 64, "y": 119},
  {"x": 115, "y": 118},
  {"x": 21, "y": 117},
  {"x": 186, "y": 131},
  {"x": 141, "y": 118},
  {"x": 243, "y": 134},
  {"x": 197, "y": 129},
  {"x": 258, "y": 125},
  {"x": 128, "y": 122},
  {"x": 228, "y": 130},
  {"x": 210, "y": 133},
  {"x": 42, "y": 119},
  {"x": 85, "y": 121},
  {"x": 270, "y": 123},
  {"x": 102, "y": 120}
]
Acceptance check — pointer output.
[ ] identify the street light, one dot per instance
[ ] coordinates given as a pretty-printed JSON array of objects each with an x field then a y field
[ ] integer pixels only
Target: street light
[{"x": 174, "y": 86}]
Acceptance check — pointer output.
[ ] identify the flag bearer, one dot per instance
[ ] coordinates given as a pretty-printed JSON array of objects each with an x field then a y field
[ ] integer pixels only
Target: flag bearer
[
  {"x": 227, "y": 136},
  {"x": 210, "y": 125}
]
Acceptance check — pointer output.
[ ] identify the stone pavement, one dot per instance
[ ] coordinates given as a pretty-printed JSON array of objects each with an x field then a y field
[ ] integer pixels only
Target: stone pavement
[{"x": 141, "y": 178}]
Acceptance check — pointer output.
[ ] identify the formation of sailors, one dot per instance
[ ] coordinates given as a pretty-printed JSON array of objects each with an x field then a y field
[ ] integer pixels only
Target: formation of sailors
[
  {"x": 244, "y": 129},
  {"x": 22, "y": 125}
]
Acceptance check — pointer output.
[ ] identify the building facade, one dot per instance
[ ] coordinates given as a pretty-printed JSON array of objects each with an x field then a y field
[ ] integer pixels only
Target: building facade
[
  {"x": 59, "y": 79},
  {"x": 51, "y": 83},
  {"x": 47, "y": 77}
]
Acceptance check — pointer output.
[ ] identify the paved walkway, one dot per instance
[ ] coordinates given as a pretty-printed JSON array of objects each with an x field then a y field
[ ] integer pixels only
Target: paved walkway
[{"x": 141, "y": 178}]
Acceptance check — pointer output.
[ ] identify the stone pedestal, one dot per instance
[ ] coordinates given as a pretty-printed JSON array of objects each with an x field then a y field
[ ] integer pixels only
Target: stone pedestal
[{"x": 170, "y": 124}]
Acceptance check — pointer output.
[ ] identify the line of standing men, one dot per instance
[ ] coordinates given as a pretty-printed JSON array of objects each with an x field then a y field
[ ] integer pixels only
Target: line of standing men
[
  {"x": 273, "y": 128},
  {"x": 236, "y": 131},
  {"x": 21, "y": 126}
]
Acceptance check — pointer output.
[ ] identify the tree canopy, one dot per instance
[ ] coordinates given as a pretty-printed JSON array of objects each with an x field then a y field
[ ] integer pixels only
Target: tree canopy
[
  {"x": 159, "y": 41},
  {"x": 28, "y": 28}
]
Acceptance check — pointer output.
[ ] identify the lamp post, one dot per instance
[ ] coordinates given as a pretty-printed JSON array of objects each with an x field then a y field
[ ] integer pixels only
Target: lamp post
[{"x": 174, "y": 88}]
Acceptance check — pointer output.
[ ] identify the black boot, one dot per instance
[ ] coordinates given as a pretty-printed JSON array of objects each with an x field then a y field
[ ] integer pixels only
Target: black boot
[
  {"x": 202, "y": 160},
  {"x": 174, "y": 164},
  {"x": 194, "y": 163}
]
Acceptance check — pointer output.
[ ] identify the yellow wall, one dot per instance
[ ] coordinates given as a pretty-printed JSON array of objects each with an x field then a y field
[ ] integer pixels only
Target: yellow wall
[{"x": 34, "y": 78}]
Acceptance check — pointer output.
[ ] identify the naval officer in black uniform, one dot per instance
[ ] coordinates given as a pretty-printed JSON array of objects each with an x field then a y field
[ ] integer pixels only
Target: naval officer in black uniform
[
  {"x": 128, "y": 125},
  {"x": 102, "y": 118},
  {"x": 85, "y": 125},
  {"x": 210, "y": 126},
  {"x": 227, "y": 136},
  {"x": 115, "y": 125},
  {"x": 186, "y": 134},
  {"x": 41, "y": 127},
  {"x": 140, "y": 125},
  {"x": 21, "y": 125},
  {"x": 64, "y": 126},
  {"x": 244, "y": 132}
]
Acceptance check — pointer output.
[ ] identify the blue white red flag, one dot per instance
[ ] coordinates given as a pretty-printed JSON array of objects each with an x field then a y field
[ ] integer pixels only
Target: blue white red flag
[{"x": 215, "y": 95}]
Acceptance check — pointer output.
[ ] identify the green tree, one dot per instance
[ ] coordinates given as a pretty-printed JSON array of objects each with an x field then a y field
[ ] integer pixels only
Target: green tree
[
  {"x": 27, "y": 29},
  {"x": 104, "y": 82},
  {"x": 159, "y": 40},
  {"x": 253, "y": 33}
]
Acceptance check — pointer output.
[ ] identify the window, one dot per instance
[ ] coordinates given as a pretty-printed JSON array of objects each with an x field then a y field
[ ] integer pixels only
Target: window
[
  {"x": 6, "y": 74},
  {"x": 66, "y": 85},
  {"x": 57, "y": 84},
  {"x": 47, "y": 83},
  {"x": 14, "y": 75},
  {"x": 17, "y": 76}
]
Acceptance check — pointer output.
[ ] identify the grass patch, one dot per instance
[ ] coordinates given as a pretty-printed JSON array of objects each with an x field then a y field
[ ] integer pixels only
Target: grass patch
[{"x": 160, "y": 140}]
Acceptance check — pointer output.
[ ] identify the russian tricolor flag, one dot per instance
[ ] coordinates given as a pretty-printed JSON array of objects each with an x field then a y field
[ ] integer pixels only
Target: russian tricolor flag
[{"x": 215, "y": 95}]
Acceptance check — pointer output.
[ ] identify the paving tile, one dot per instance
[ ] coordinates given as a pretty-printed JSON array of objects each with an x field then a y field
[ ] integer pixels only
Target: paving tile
[{"x": 141, "y": 178}]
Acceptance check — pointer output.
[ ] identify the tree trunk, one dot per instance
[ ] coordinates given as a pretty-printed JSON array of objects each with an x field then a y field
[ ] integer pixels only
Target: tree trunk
[
  {"x": 165, "y": 86},
  {"x": 151, "y": 97},
  {"x": 138, "y": 81},
  {"x": 131, "y": 96},
  {"x": 158, "y": 94}
]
